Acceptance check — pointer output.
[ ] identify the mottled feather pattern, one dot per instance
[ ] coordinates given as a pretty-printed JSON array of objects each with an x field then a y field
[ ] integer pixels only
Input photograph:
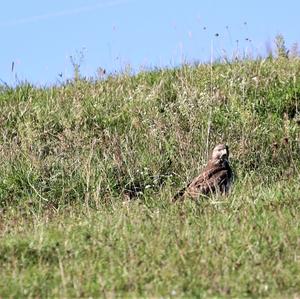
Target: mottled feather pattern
[{"x": 216, "y": 176}]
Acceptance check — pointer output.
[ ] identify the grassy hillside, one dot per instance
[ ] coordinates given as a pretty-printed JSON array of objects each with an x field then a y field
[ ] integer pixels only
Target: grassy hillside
[{"x": 87, "y": 171}]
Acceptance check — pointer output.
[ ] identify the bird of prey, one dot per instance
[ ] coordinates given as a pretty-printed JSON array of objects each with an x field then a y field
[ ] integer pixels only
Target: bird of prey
[{"x": 215, "y": 177}]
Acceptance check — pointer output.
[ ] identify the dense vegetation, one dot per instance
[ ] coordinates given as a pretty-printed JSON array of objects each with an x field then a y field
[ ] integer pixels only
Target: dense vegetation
[{"x": 87, "y": 171}]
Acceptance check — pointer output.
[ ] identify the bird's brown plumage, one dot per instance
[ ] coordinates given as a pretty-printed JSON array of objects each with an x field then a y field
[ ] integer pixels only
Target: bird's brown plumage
[{"x": 215, "y": 177}]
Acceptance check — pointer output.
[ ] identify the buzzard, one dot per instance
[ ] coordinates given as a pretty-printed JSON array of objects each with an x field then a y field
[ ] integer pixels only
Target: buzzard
[{"x": 215, "y": 177}]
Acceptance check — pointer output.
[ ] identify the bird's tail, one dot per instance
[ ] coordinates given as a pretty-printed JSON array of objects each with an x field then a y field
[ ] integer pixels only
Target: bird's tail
[{"x": 179, "y": 195}]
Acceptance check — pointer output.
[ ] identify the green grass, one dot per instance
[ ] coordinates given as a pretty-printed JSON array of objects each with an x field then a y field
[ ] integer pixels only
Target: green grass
[{"x": 87, "y": 171}]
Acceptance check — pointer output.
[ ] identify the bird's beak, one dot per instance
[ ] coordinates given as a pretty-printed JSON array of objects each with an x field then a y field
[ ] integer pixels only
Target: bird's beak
[{"x": 224, "y": 155}]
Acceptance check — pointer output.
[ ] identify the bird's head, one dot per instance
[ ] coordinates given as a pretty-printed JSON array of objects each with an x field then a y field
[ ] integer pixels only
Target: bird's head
[{"x": 220, "y": 153}]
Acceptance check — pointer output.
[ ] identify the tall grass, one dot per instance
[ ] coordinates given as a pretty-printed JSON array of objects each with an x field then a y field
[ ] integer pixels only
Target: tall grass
[{"x": 87, "y": 170}]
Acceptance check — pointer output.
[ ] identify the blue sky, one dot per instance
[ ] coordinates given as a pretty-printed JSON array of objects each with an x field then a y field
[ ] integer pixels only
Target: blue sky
[{"x": 39, "y": 37}]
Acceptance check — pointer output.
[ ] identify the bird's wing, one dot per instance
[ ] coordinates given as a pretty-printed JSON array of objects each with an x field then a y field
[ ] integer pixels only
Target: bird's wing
[
  {"x": 209, "y": 171},
  {"x": 212, "y": 177}
]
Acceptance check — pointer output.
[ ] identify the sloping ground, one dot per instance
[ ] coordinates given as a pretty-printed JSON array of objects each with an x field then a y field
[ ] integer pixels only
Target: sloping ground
[{"x": 87, "y": 171}]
